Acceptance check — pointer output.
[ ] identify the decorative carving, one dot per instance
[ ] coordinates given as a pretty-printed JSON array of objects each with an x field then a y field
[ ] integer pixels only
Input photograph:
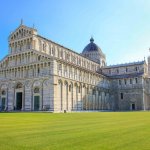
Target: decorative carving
[
  {"x": 46, "y": 83},
  {"x": 11, "y": 85},
  {"x": 3, "y": 92},
  {"x": 36, "y": 90},
  {"x": 4, "y": 86},
  {"x": 37, "y": 84},
  {"x": 19, "y": 86},
  {"x": 28, "y": 83}
]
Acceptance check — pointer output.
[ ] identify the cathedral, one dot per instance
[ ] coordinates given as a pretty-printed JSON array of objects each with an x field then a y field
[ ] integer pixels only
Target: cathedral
[{"x": 41, "y": 75}]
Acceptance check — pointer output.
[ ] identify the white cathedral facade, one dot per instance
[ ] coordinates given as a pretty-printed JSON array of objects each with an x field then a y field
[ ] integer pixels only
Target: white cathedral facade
[{"x": 41, "y": 75}]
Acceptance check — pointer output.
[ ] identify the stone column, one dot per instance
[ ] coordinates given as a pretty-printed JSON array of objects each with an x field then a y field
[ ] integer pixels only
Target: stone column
[
  {"x": 42, "y": 97},
  {"x": 82, "y": 97},
  {"x": 67, "y": 96},
  {"x": 23, "y": 98},
  {"x": 101, "y": 101},
  {"x": 64, "y": 96},
  {"x": 97, "y": 102},
  {"x": 74, "y": 97}
]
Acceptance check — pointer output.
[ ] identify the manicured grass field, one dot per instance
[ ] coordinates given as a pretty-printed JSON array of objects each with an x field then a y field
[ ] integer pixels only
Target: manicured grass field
[{"x": 75, "y": 131}]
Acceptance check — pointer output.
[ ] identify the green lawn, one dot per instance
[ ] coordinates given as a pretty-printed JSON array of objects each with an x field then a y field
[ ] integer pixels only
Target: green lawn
[{"x": 75, "y": 131}]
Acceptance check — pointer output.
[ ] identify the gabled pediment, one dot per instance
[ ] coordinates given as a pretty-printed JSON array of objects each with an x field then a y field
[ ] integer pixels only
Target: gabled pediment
[{"x": 21, "y": 32}]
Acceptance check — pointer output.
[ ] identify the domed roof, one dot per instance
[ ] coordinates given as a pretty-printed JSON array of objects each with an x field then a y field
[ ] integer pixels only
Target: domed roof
[{"x": 91, "y": 47}]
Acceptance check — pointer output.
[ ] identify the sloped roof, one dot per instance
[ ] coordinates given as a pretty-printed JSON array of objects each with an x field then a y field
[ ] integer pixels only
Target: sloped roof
[
  {"x": 126, "y": 64},
  {"x": 132, "y": 75}
]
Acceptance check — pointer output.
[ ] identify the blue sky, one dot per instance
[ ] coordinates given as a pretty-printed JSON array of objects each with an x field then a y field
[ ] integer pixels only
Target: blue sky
[{"x": 121, "y": 28}]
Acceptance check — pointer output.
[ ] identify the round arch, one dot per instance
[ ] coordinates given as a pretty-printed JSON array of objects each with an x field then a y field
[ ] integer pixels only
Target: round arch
[{"x": 19, "y": 96}]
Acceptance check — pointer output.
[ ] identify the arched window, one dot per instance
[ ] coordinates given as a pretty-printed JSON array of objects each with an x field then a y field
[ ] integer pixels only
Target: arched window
[
  {"x": 125, "y": 81},
  {"x": 121, "y": 95},
  {"x": 94, "y": 92},
  {"x": 19, "y": 85},
  {"x": 3, "y": 92},
  {"x": 87, "y": 90},
  {"x": 136, "y": 68},
  {"x": 119, "y": 82},
  {"x": 117, "y": 70},
  {"x": 39, "y": 58},
  {"x": 52, "y": 51},
  {"x": 136, "y": 80},
  {"x": 61, "y": 53},
  {"x": 38, "y": 71},
  {"x": 70, "y": 88},
  {"x": 36, "y": 90},
  {"x": 130, "y": 81},
  {"x": 109, "y": 71},
  {"x": 99, "y": 93},
  {"x": 44, "y": 47}
]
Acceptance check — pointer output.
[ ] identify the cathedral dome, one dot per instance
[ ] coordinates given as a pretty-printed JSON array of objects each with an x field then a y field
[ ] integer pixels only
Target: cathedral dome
[
  {"x": 91, "y": 47},
  {"x": 94, "y": 53}
]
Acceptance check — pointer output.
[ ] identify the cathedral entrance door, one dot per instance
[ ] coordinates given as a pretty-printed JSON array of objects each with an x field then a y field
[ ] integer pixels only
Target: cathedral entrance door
[
  {"x": 3, "y": 103},
  {"x": 133, "y": 106},
  {"x": 19, "y": 101},
  {"x": 36, "y": 103}
]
